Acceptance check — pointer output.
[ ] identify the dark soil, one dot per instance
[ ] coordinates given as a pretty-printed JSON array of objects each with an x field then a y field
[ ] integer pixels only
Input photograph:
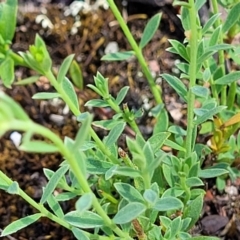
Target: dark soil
[{"x": 98, "y": 28}]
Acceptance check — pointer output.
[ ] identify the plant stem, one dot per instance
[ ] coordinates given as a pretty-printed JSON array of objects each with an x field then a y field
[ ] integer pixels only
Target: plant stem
[
  {"x": 220, "y": 53},
  {"x": 156, "y": 91},
  {"x": 38, "y": 129},
  {"x": 192, "y": 75},
  {"x": 77, "y": 112}
]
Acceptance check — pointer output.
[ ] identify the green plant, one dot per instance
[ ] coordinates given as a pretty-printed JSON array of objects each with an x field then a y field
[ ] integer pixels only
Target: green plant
[{"x": 159, "y": 195}]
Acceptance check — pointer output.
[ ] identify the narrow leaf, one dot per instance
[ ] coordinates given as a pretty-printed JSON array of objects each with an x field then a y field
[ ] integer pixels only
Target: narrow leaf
[
  {"x": 46, "y": 95},
  {"x": 193, "y": 210},
  {"x": 121, "y": 95},
  {"x": 232, "y": 18},
  {"x": 118, "y": 56},
  {"x": 200, "y": 91},
  {"x": 209, "y": 114},
  {"x": 129, "y": 212},
  {"x": 210, "y": 23},
  {"x": 84, "y": 202},
  {"x": 150, "y": 30},
  {"x": 20, "y": 224},
  {"x": 212, "y": 172},
  {"x": 69, "y": 90},
  {"x": 79, "y": 234},
  {"x": 97, "y": 103},
  {"x": 168, "y": 203},
  {"x": 128, "y": 192},
  {"x": 176, "y": 84},
  {"x": 95, "y": 166},
  {"x": 158, "y": 139},
  {"x": 64, "y": 68},
  {"x": 53, "y": 182},
  {"x": 114, "y": 134},
  {"x": 86, "y": 219},
  {"x": 229, "y": 78},
  {"x": 76, "y": 75}
]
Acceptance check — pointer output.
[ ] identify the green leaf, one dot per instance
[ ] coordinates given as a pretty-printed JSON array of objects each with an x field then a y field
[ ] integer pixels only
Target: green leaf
[
  {"x": 174, "y": 145},
  {"x": 64, "y": 68},
  {"x": 177, "y": 130},
  {"x": 158, "y": 139},
  {"x": 218, "y": 47},
  {"x": 53, "y": 182},
  {"x": 229, "y": 78},
  {"x": 168, "y": 203},
  {"x": 76, "y": 75},
  {"x": 176, "y": 84},
  {"x": 83, "y": 131},
  {"x": 199, "y": 4},
  {"x": 212, "y": 172},
  {"x": 69, "y": 90},
  {"x": 200, "y": 91},
  {"x": 121, "y": 95},
  {"x": 7, "y": 71},
  {"x": 63, "y": 197},
  {"x": 180, "y": 49},
  {"x": 129, "y": 212},
  {"x": 8, "y": 19},
  {"x": 96, "y": 103},
  {"x": 84, "y": 202},
  {"x": 79, "y": 234},
  {"x": 162, "y": 122},
  {"x": 193, "y": 210},
  {"x": 150, "y": 196},
  {"x": 185, "y": 18},
  {"x": 122, "y": 171},
  {"x": 38, "y": 147},
  {"x": 46, "y": 95},
  {"x": 84, "y": 220},
  {"x": 13, "y": 188},
  {"x": 95, "y": 166},
  {"x": 20, "y": 224},
  {"x": 209, "y": 114},
  {"x": 107, "y": 124},
  {"x": 128, "y": 192},
  {"x": 210, "y": 23},
  {"x": 194, "y": 182},
  {"x": 118, "y": 56},
  {"x": 55, "y": 206},
  {"x": 27, "y": 81},
  {"x": 232, "y": 18},
  {"x": 150, "y": 30},
  {"x": 114, "y": 134},
  {"x": 214, "y": 39}
]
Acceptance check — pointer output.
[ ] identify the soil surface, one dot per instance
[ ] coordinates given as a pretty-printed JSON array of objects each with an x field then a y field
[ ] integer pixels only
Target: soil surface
[{"x": 89, "y": 36}]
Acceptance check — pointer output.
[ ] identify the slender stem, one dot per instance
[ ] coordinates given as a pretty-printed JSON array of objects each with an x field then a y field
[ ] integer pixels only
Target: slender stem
[
  {"x": 156, "y": 91},
  {"x": 38, "y": 129},
  {"x": 220, "y": 53},
  {"x": 192, "y": 74},
  {"x": 77, "y": 112}
]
